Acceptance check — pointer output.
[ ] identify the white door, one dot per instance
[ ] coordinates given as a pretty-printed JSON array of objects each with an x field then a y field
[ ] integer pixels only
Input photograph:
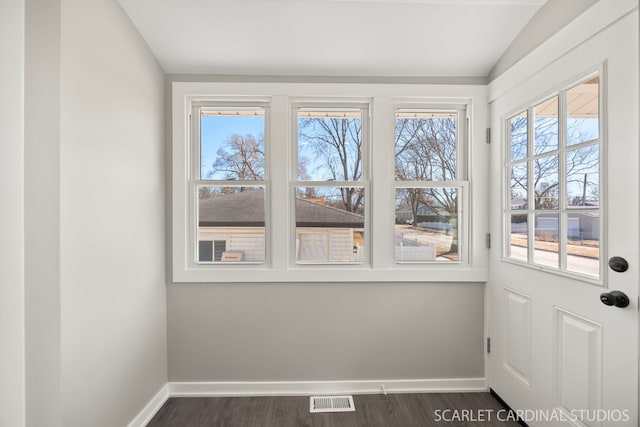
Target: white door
[{"x": 565, "y": 164}]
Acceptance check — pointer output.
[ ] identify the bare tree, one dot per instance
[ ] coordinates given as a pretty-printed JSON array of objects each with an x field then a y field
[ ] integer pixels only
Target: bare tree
[
  {"x": 241, "y": 158},
  {"x": 426, "y": 150},
  {"x": 337, "y": 144},
  {"x": 303, "y": 174},
  {"x": 581, "y": 167},
  {"x": 204, "y": 192}
]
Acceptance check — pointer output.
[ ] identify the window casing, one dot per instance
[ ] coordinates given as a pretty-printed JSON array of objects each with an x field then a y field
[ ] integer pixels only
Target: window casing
[
  {"x": 292, "y": 254},
  {"x": 553, "y": 210}
]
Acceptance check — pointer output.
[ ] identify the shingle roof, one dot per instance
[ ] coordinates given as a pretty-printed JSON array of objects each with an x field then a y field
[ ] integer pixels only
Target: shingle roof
[{"x": 247, "y": 209}]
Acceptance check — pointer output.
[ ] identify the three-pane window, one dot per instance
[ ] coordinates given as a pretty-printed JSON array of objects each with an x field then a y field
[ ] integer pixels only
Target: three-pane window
[{"x": 330, "y": 178}]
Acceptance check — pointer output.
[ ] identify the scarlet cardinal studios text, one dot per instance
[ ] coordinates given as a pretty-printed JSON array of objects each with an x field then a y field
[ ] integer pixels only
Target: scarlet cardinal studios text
[{"x": 530, "y": 415}]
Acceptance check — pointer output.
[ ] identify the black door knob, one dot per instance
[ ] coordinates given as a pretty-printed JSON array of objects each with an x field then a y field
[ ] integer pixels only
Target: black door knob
[
  {"x": 617, "y": 298},
  {"x": 619, "y": 264}
]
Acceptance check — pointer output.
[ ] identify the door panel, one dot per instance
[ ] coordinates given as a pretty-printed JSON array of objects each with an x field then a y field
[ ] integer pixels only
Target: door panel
[
  {"x": 517, "y": 357},
  {"x": 578, "y": 362},
  {"x": 555, "y": 345}
]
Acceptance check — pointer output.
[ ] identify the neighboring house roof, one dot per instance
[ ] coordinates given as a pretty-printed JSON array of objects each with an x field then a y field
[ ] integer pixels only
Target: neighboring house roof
[{"x": 246, "y": 209}]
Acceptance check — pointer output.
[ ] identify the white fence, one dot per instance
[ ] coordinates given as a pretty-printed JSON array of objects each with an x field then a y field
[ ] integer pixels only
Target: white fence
[
  {"x": 521, "y": 228},
  {"x": 416, "y": 253},
  {"x": 435, "y": 225},
  {"x": 549, "y": 225}
]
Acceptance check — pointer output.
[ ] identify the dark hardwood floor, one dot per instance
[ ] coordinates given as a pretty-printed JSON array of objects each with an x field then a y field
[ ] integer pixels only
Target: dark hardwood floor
[{"x": 402, "y": 410}]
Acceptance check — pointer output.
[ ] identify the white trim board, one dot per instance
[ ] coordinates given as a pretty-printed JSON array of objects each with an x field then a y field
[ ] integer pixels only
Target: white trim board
[
  {"x": 304, "y": 388},
  {"x": 595, "y": 19},
  {"x": 151, "y": 408}
]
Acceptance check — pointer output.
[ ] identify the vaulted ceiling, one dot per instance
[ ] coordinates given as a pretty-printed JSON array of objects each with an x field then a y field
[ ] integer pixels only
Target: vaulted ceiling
[{"x": 421, "y": 38}]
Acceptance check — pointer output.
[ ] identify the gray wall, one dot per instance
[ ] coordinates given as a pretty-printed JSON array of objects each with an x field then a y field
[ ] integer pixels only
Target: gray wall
[
  {"x": 12, "y": 370},
  {"x": 325, "y": 331},
  {"x": 42, "y": 213},
  {"x": 112, "y": 257},
  {"x": 93, "y": 347},
  {"x": 554, "y": 15}
]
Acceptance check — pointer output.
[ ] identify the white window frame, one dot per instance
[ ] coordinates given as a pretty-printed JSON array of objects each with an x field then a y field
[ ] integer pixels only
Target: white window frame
[
  {"x": 281, "y": 98},
  {"x": 563, "y": 210},
  {"x": 461, "y": 183},
  {"x": 331, "y": 104},
  {"x": 196, "y": 180}
]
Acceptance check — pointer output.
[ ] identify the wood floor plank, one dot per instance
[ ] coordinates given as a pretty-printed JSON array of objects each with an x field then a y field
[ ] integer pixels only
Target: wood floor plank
[{"x": 402, "y": 410}]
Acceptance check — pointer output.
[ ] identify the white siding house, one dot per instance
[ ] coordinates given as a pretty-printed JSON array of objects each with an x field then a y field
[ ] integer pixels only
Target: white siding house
[{"x": 231, "y": 228}]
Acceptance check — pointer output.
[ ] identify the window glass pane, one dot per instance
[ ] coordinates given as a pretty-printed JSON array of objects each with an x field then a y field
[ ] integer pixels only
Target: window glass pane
[
  {"x": 231, "y": 225},
  {"x": 583, "y": 243},
  {"x": 425, "y": 146},
  {"x": 519, "y": 187},
  {"x": 582, "y": 112},
  {"x": 232, "y": 144},
  {"x": 330, "y": 145},
  {"x": 519, "y": 236},
  {"x": 546, "y": 182},
  {"x": 330, "y": 225},
  {"x": 426, "y": 224},
  {"x": 219, "y": 247},
  {"x": 546, "y": 240},
  {"x": 205, "y": 250},
  {"x": 545, "y": 126},
  {"x": 583, "y": 177},
  {"x": 518, "y": 132}
]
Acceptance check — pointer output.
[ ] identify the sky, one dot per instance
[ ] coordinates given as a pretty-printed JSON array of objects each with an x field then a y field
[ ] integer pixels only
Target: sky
[{"x": 215, "y": 130}]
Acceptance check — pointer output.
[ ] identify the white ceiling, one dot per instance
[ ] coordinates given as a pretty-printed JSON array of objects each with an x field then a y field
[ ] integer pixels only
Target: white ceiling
[{"x": 419, "y": 38}]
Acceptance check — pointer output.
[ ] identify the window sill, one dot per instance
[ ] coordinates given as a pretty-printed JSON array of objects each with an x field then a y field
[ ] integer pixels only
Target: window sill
[{"x": 429, "y": 273}]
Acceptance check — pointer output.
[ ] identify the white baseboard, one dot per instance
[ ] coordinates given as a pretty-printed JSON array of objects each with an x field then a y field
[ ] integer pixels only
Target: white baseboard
[
  {"x": 151, "y": 408},
  {"x": 303, "y": 388}
]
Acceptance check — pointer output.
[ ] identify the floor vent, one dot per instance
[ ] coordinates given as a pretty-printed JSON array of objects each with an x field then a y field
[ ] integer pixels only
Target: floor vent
[{"x": 331, "y": 404}]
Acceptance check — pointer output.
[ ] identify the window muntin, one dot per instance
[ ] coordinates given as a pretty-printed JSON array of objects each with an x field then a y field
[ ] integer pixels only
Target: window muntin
[
  {"x": 428, "y": 222},
  {"x": 562, "y": 178},
  {"x": 230, "y": 184},
  {"x": 330, "y": 191}
]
